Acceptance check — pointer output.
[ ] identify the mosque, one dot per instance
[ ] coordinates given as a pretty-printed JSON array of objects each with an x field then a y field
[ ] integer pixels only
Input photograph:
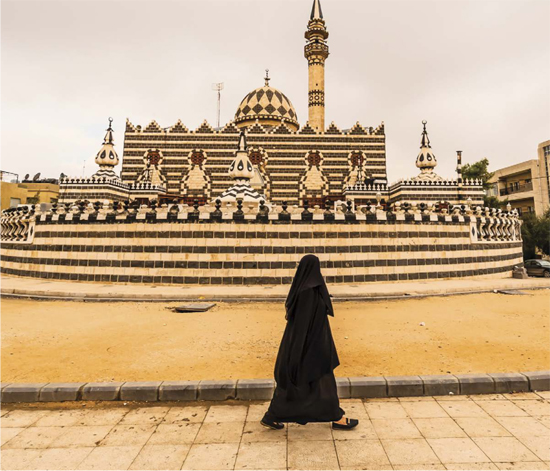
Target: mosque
[
  {"x": 240, "y": 205},
  {"x": 290, "y": 162}
]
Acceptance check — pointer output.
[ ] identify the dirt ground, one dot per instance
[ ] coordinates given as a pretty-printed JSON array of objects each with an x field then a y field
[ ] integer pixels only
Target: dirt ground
[{"x": 50, "y": 341}]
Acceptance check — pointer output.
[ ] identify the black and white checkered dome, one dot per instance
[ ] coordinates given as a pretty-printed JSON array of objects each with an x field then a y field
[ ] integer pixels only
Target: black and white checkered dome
[{"x": 266, "y": 103}]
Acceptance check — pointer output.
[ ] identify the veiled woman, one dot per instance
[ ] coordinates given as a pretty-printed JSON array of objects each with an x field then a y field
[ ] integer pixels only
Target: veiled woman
[{"x": 306, "y": 388}]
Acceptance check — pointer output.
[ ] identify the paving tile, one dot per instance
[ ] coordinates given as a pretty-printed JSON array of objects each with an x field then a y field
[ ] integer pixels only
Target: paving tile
[
  {"x": 455, "y": 397},
  {"x": 420, "y": 466},
  {"x": 463, "y": 409},
  {"x": 409, "y": 451},
  {"x": 523, "y": 465},
  {"x": 313, "y": 431},
  {"x": 504, "y": 449},
  {"x": 383, "y": 410},
  {"x": 111, "y": 416},
  {"x": 363, "y": 431},
  {"x": 19, "y": 458},
  {"x": 544, "y": 420},
  {"x": 470, "y": 466},
  {"x": 457, "y": 450},
  {"x": 417, "y": 399},
  {"x": 503, "y": 408},
  {"x": 380, "y": 399},
  {"x": 82, "y": 436},
  {"x": 544, "y": 394},
  {"x": 540, "y": 446},
  {"x": 256, "y": 412},
  {"x": 145, "y": 416},
  {"x": 482, "y": 427},
  {"x": 220, "y": 432},
  {"x": 211, "y": 456},
  {"x": 360, "y": 454},
  {"x": 22, "y": 418},
  {"x": 523, "y": 426},
  {"x": 62, "y": 458},
  {"x": 8, "y": 433},
  {"x": 226, "y": 414},
  {"x": 35, "y": 437},
  {"x": 395, "y": 428},
  {"x": 174, "y": 434},
  {"x": 439, "y": 428},
  {"x": 488, "y": 397},
  {"x": 521, "y": 396},
  {"x": 60, "y": 418},
  {"x": 256, "y": 432},
  {"x": 110, "y": 457},
  {"x": 161, "y": 457},
  {"x": 312, "y": 454},
  {"x": 263, "y": 455},
  {"x": 373, "y": 467},
  {"x": 128, "y": 435},
  {"x": 424, "y": 410},
  {"x": 355, "y": 410},
  {"x": 536, "y": 407},
  {"x": 192, "y": 414},
  {"x": 3, "y": 412}
]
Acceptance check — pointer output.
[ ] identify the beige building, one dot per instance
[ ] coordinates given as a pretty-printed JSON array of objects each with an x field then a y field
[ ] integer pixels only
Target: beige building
[
  {"x": 14, "y": 194},
  {"x": 525, "y": 185}
]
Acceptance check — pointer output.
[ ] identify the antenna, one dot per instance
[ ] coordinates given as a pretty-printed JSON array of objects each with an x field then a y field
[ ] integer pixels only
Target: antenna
[{"x": 218, "y": 87}]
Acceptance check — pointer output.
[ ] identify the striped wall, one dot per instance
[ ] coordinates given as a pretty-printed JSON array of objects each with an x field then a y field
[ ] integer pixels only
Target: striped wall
[{"x": 256, "y": 253}]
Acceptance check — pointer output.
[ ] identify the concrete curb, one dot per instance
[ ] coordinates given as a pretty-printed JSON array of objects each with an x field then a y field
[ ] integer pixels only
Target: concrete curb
[
  {"x": 262, "y": 389},
  {"x": 96, "y": 298}
]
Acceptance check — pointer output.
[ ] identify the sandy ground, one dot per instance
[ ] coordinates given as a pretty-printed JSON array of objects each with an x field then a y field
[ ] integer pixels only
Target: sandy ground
[{"x": 45, "y": 341}]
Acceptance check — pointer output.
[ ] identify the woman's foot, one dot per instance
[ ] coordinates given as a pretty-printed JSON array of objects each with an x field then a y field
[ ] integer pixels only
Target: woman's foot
[
  {"x": 345, "y": 424},
  {"x": 272, "y": 424}
]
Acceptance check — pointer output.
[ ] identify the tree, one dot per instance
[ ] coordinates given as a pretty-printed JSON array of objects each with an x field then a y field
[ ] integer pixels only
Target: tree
[
  {"x": 535, "y": 232},
  {"x": 480, "y": 170}
]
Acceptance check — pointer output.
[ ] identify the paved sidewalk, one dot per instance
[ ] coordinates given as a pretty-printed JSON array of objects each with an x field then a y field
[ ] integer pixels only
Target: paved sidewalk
[
  {"x": 510, "y": 431},
  {"x": 110, "y": 292}
]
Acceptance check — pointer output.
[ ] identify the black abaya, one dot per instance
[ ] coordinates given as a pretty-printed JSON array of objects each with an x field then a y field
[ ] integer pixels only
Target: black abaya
[{"x": 306, "y": 388}]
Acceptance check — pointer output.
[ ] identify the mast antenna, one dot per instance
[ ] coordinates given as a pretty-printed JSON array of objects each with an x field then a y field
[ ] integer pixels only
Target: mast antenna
[{"x": 218, "y": 87}]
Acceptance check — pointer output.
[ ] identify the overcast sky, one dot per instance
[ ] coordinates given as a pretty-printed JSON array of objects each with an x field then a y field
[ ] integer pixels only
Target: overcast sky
[{"x": 477, "y": 71}]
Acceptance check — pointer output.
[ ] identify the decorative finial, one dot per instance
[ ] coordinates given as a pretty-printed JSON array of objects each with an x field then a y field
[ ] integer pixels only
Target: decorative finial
[
  {"x": 425, "y": 139},
  {"x": 267, "y": 79},
  {"x": 110, "y": 121},
  {"x": 316, "y": 12}
]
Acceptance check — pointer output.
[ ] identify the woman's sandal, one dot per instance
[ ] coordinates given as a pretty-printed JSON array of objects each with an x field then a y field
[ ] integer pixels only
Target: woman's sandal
[
  {"x": 272, "y": 424},
  {"x": 350, "y": 423}
]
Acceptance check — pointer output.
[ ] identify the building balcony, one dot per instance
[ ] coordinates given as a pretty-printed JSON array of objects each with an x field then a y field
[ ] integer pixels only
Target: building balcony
[{"x": 516, "y": 189}]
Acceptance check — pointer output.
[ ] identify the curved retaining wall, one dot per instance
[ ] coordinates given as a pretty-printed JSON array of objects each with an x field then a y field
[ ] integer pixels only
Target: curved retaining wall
[{"x": 253, "y": 252}]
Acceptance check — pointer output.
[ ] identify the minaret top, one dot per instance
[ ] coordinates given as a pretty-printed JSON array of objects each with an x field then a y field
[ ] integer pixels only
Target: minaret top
[
  {"x": 241, "y": 167},
  {"x": 107, "y": 155},
  {"x": 316, "y": 12},
  {"x": 426, "y": 159}
]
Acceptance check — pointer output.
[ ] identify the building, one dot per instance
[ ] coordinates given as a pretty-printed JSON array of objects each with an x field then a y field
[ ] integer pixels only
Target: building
[
  {"x": 525, "y": 185},
  {"x": 14, "y": 193}
]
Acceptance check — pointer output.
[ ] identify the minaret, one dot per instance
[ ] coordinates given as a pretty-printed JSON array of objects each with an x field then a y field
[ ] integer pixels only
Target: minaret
[
  {"x": 316, "y": 52},
  {"x": 107, "y": 158}
]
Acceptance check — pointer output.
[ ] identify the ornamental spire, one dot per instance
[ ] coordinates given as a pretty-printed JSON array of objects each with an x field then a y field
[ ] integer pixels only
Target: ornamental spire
[
  {"x": 107, "y": 157},
  {"x": 426, "y": 160},
  {"x": 316, "y": 12},
  {"x": 267, "y": 79},
  {"x": 241, "y": 167}
]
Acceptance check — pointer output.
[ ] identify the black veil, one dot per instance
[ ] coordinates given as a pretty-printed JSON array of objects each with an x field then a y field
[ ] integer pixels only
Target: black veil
[{"x": 308, "y": 275}]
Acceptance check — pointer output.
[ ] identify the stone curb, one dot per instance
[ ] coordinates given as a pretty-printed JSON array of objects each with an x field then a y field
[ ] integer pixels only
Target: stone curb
[{"x": 262, "y": 389}]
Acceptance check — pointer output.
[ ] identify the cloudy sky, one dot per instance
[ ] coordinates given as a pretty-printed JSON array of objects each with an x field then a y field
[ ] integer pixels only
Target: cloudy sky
[{"x": 477, "y": 71}]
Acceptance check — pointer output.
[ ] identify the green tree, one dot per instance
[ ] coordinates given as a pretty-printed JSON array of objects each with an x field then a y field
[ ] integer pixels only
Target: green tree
[
  {"x": 535, "y": 232},
  {"x": 480, "y": 170}
]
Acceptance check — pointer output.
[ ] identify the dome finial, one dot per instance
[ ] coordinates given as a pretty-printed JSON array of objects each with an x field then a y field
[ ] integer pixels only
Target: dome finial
[
  {"x": 267, "y": 79},
  {"x": 425, "y": 139}
]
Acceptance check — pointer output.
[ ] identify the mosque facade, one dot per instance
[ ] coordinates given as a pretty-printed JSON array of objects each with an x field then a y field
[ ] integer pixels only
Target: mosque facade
[{"x": 291, "y": 162}]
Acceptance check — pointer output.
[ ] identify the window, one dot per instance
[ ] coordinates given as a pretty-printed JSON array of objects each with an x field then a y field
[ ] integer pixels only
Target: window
[{"x": 14, "y": 202}]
